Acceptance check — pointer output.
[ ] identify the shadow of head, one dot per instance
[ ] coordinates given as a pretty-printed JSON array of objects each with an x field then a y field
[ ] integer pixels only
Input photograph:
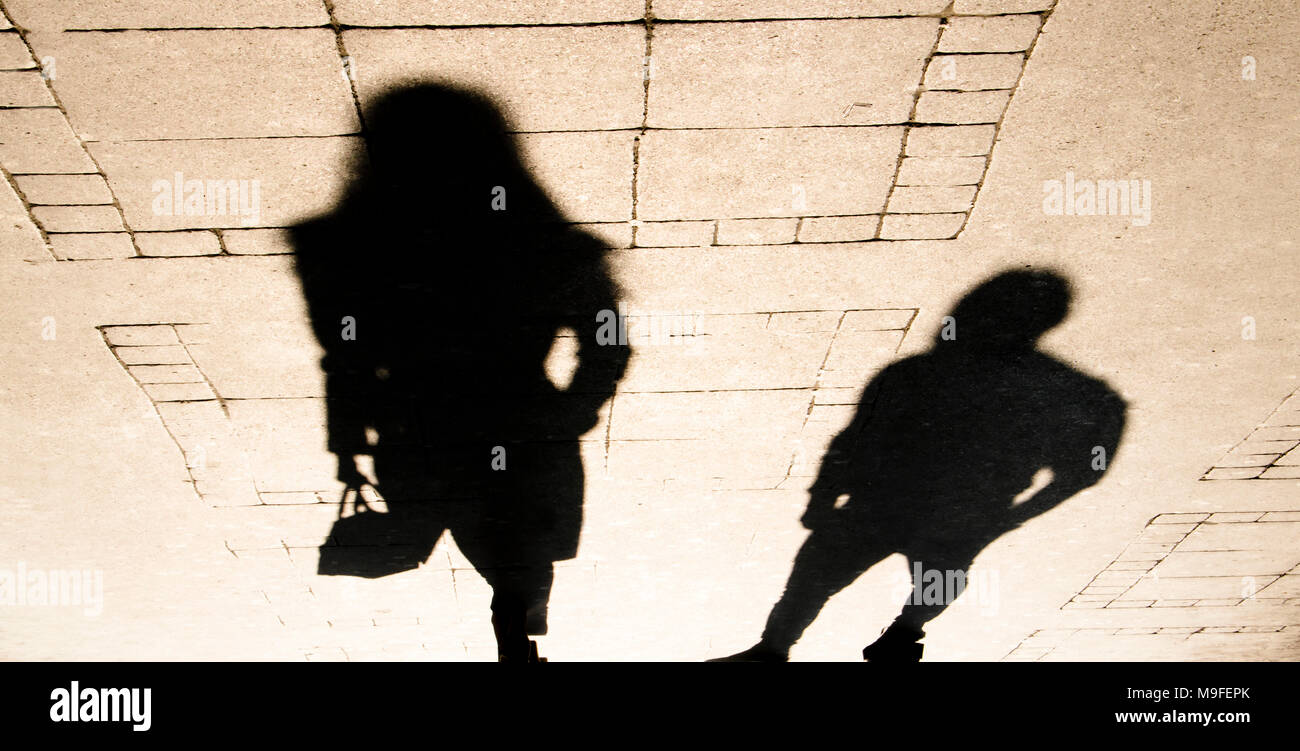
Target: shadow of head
[
  {"x": 1009, "y": 312},
  {"x": 442, "y": 149}
]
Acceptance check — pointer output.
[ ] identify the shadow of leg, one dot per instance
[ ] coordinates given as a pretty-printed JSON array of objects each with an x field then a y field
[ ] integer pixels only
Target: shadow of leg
[
  {"x": 831, "y": 559},
  {"x": 937, "y": 581}
]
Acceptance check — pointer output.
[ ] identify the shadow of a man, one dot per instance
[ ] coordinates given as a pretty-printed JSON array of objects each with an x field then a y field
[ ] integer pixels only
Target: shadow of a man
[
  {"x": 942, "y": 447},
  {"x": 437, "y": 288}
]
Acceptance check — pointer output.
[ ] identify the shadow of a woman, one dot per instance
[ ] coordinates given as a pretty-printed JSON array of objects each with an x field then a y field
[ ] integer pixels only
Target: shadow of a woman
[
  {"x": 940, "y": 456},
  {"x": 436, "y": 289}
]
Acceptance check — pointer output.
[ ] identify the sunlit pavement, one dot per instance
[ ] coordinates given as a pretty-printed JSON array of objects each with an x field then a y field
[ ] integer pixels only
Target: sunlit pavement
[{"x": 805, "y": 189}]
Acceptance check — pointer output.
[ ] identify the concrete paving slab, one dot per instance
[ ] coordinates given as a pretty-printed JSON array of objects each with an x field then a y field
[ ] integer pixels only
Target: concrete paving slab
[
  {"x": 78, "y": 190},
  {"x": 763, "y": 173},
  {"x": 171, "y": 244},
  {"x": 973, "y": 72},
  {"x": 1204, "y": 644},
  {"x": 946, "y": 171},
  {"x": 78, "y": 218},
  {"x": 276, "y": 182},
  {"x": 589, "y": 174},
  {"x": 24, "y": 88},
  {"x": 834, "y": 229},
  {"x": 57, "y": 15},
  {"x": 291, "y": 83},
  {"x": 1261, "y": 536},
  {"x": 14, "y": 54},
  {"x": 484, "y": 12},
  {"x": 92, "y": 246},
  {"x": 256, "y": 242},
  {"x": 571, "y": 78},
  {"x": 40, "y": 141},
  {"x": 999, "y": 7},
  {"x": 848, "y": 72},
  {"x": 1010, "y": 33},
  {"x": 728, "y": 9}
]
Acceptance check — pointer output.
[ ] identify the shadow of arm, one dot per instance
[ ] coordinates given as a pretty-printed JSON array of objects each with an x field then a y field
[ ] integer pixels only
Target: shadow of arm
[
  {"x": 327, "y": 289},
  {"x": 851, "y": 456},
  {"x": 1086, "y": 455},
  {"x": 591, "y": 289}
]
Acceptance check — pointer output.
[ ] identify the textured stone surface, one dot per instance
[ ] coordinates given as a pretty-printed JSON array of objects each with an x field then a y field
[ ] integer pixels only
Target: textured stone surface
[
  {"x": 726, "y": 9},
  {"x": 474, "y": 12},
  {"x": 956, "y": 170},
  {"x": 39, "y": 140},
  {"x": 756, "y": 231},
  {"x": 256, "y": 241},
  {"x": 931, "y": 200},
  {"x": 220, "y": 84},
  {"x": 589, "y": 174},
  {"x": 24, "y": 88},
  {"x": 78, "y": 218},
  {"x": 13, "y": 53},
  {"x": 177, "y": 243},
  {"x": 961, "y": 106},
  {"x": 990, "y": 34},
  {"x": 958, "y": 140},
  {"x": 674, "y": 234},
  {"x": 920, "y": 226},
  {"x": 64, "y": 189},
  {"x": 296, "y": 178},
  {"x": 757, "y": 173},
  {"x": 995, "y": 7},
  {"x": 55, "y": 15},
  {"x": 831, "y": 73},
  {"x": 973, "y": 72},
  {"x": 832, "y": 229},
  {"x": 78, "y": 247},
  {"x": 544, "y": 78}
]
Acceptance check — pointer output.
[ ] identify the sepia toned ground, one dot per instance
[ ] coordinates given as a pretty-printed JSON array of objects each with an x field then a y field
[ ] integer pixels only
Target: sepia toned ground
[{"x": 797, "y": 192}]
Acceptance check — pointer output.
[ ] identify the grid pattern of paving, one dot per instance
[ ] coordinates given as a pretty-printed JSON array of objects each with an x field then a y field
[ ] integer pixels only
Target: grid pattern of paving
[
  {"x": 1270, "y": 452},
  {"x": 1161, "y": 643},
  {"x": 702, "y": 396},
  {"x": 701, "y": 411},
  {"x": 135, "y": 129},
  {"x": 1203, "y": 560},
  {"x": 159, "y": 358}
]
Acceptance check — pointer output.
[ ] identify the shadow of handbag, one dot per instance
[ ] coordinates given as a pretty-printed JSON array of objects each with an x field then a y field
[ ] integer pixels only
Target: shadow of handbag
[{"x": 369, "y": 543}]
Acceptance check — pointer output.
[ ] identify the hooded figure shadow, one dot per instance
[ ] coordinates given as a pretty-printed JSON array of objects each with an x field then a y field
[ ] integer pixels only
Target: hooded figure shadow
[
  {"x": 940, "y": 447},
  {"x": 436, "y": 289}
]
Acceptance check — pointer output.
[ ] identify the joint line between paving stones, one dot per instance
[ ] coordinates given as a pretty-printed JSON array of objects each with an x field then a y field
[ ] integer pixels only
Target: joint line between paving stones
[
  {"x": 911, "y": 118},
  {"x": 646, "y": 69},
  {"x": 609, "y": 429},
  {"x": 907, "y": 327},
  {"x": 997, "y": 127},
  {"x": 81, "y": 142},
  {"x": 9, "y": 177},
  {"x": 225, "y": 408},
  {"x": 1156, "y": 562},
  {"x": 946, "y": 13},
  {"x": 184, "y": 457},
  {"x": 349, "y": 65},
  {"x": 45, "y": 236},
  {"x": 58, "y": 104},
  {"x": 1243, "y": 441},
  {"x": 812, "y": 400}
]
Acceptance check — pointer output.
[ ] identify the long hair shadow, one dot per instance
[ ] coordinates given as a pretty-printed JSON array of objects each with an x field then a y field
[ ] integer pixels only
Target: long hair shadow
[
  {"x": 947, "y": 451},
  {"x": 436, "y": 289}
]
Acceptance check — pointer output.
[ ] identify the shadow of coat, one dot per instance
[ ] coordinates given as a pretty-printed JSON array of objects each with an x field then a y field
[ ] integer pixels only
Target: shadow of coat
[{"x": 436, "y": 289}]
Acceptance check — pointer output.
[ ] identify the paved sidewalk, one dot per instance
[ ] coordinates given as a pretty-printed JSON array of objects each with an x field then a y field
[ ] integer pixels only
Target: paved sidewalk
[{"x": 794, "y": 195}]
